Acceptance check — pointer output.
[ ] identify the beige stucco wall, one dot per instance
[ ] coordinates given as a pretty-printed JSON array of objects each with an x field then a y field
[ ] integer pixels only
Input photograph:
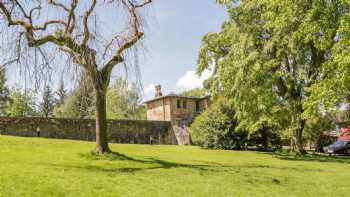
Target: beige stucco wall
[
  {"x": 181, "y": 113},
  {"x": 204, "y": 103},
  {"x": 181, "y": 118},
  {"x": 166, "y": 109},
  {"x": 159, "y": 110}
]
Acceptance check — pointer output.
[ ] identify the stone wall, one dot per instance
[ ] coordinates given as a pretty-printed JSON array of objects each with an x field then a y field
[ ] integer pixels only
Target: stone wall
[{"x": 119, "y": 131}]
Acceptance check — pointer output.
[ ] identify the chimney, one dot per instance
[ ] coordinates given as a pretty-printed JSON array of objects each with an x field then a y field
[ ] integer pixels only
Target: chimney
[{"x": 158, "y": 90}]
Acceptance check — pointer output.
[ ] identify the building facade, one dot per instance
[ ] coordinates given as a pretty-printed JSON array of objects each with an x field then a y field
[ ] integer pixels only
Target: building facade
[{"x": 179, "y": 110}]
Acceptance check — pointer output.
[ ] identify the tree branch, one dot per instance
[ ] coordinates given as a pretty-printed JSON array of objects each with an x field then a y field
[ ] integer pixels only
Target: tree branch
[
  {"x": 46, "y": 24},
  {"x": 32, "y": 11},
  {"x": 62, "y": 37},
  {"x": 9, "y": 18},
  {"x": 143, "y": 4},
  {"x": 85, "y": 22},
  {"x": 137, "y": 35},
  {"x": 9, "y": 62},
  {"x": 71, "y": 17},
  {"x": 22, "y": 10},
  {"x": 53, "y": 2}
]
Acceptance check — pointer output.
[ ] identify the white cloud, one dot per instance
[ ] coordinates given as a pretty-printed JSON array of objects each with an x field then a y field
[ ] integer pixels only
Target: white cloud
[
  {"x": 149, "y": 89},
  {"x": 148, "y": 92},
  {"x": 191, "y": 80}
]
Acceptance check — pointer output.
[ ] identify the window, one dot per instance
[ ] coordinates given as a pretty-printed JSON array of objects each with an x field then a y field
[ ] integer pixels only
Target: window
[
  {"x": 197, "y": 106},
  {"x": 178, "y": 104},
  {"x": 184, "y": 104}
]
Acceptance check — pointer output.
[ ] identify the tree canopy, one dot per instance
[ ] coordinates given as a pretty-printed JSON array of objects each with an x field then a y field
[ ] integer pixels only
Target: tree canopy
[
  {"x": 272, "y": 59},
  {"x": 22, "y": 103},
  {"x": 196, "y": 92},
  {"x": 48, "y": 102},
  {"x": 123, "y": 101}
]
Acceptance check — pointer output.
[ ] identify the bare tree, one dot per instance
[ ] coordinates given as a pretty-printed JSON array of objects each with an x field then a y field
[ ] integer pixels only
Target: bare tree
[{"x": 73, "y": 30}]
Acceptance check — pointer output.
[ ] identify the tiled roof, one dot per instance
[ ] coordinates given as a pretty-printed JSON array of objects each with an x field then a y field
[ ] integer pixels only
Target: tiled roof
[{"x": 176, "y": 96}]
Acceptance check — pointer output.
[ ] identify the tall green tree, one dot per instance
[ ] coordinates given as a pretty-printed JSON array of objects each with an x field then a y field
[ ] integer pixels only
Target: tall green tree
[
  {"x": 22, "y": 104},
  {"x": 74, "y": 107},
  {"x": 85, "y": 97},
  {"x": 4, "y": 92},
  {"x": 79, "y": 103},
  {"x": 123, "y": 101},
  {"x": 269, "y": 54},
  {"x": 61, "y": 93},
  {"x": 332, "y": 89},
  {"x": 196, "y": 92},
  {"x": 48, "y": 102}
]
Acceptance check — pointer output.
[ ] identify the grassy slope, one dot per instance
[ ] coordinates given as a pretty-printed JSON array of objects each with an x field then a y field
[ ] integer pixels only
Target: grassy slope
[{"x": 42, "y": 167}]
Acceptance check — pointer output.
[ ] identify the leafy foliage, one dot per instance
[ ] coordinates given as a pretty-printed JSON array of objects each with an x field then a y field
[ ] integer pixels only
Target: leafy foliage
[
  {"x": 197, "y": 92},
  {"x": 265, "y": 139},
  {"x": 48, "y": 102},
  {"x": 316, "y": 131},
  {"x": 23, "y": 103},
  {"x": 4, "y": 92},
  {"x": 123, "y": 101},
  {"x": 76, "y": 105},
  {"x": 333, "y": 87},
  {"x": 269, "y": 54},
  {"x": 79, "y": 103},
  {"x": 215, "y": 128},
  {"x": 69, "y": 108},
  {"x": 61, "y": 94}
]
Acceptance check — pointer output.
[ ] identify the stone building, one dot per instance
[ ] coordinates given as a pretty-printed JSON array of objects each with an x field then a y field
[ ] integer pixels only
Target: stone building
[{"x": 179, "y": 110}]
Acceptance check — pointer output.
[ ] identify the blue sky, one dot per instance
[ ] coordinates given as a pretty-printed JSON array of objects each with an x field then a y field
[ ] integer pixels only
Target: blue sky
[{"x": 173, "y": 40}]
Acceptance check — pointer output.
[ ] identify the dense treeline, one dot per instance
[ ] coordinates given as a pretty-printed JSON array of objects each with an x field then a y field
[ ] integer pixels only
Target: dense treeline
[{"x": 123, "y": 101}]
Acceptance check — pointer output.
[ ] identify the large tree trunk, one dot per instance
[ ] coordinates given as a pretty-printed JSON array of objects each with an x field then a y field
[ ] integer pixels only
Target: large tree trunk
[
  {"x": 101, "y": 121},
  {"x": 299, "y": 141},
  {"x": 265, "y": 138},
  {"x": 298, "y": 136},
  {"x": 292, "y": 144}
]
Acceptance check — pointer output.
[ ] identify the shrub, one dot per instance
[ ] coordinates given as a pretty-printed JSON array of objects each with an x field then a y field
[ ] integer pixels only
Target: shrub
[
  {"x": 265, "y": 139},
  {"x": 216, "y": 128},
  {"x": 316, "y": 130}
]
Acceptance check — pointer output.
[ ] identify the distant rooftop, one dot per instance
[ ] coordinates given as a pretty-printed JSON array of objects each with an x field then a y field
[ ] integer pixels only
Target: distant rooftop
[
  {"x": 159, "y": 95},
  {"x": 177, "y": 96}
]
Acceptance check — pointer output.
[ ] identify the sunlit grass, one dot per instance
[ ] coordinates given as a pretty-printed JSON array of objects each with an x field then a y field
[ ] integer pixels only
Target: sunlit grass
[{"x": 46, "y": 167}]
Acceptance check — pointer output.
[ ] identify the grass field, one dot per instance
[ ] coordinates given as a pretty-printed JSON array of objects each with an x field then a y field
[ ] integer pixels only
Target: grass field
[{"x": 43, "y": 167}]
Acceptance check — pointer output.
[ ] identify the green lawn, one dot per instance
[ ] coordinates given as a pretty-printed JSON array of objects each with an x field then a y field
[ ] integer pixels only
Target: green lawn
[{"x": 45, "y": 167}]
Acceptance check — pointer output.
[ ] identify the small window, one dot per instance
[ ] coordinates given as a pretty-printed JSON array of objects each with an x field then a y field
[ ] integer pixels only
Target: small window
[
  {"x": 178, "y": 104},
  {"x": 184, "y": 104},
  {"x": 197, "y": 106}
]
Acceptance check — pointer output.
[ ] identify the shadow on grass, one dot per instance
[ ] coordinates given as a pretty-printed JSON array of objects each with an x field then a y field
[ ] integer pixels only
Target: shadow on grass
[
  {"x": 155, "y": 163},
  {"x": 310, "y": 157},
  {"x": 150, "y": 164}
]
